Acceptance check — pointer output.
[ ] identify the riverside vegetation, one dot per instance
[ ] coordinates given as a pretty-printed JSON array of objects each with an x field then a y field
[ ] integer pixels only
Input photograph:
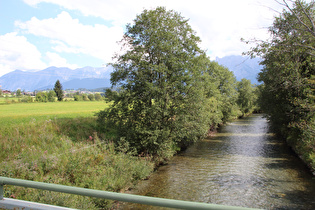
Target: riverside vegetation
[
  {"x": 171, "y": 93},
  {"x": 169, "y": 96},
  {"x": 288, "y": 93},
  {"x": 64, "y": 143},
  {"x": 61, "y": 143}
]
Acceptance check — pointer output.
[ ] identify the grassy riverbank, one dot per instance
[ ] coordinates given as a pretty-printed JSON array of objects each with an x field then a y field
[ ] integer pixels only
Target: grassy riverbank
[{"x": 61, "y": 143}]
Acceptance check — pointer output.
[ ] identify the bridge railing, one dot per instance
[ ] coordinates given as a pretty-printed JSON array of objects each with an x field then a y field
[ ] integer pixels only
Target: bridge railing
[{"x": 153, "y": 201}]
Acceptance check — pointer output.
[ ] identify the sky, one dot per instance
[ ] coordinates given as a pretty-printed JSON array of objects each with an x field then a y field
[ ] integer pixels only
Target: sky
[{"x": 36, "y": 34}]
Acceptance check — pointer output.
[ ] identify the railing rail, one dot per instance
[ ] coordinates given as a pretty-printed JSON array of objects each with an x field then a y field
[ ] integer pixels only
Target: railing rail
[{"x": 153, "y": 201}]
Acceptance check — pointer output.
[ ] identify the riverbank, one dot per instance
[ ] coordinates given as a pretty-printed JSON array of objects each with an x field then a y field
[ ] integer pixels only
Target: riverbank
[
  {"x": 301, "y": 141},
  {"x": 243, "y": 164},
  {"x": 60, "y": 143},
  {"x": 305, "y": 152}
]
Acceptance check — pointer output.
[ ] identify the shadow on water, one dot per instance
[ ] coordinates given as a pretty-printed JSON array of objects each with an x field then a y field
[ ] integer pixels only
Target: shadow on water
[
  {"x": 242, "y": 165},
  {"x": 300, "y": 199}
]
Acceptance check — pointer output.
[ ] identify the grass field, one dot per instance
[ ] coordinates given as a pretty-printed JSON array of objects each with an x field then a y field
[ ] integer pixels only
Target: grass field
[
  {"x": 4, "y": 100},
  {"x": 61, "y": 143},
  {"x": 17, "y": 113}
]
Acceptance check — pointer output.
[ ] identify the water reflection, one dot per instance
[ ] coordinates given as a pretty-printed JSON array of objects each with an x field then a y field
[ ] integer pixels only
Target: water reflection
[{"x": 243, "y": 165}]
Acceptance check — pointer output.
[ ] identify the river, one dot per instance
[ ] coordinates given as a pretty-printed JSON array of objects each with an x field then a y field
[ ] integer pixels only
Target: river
[{"x": 241, "y": 165}]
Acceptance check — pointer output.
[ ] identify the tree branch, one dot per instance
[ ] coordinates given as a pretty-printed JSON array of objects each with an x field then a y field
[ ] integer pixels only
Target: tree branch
[
  {"x": 299, "y": 19},
  {"x": 307, "y": 15}
]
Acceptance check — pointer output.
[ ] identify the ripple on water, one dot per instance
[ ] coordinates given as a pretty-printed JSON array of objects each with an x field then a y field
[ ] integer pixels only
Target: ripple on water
[{"x": 242, "y": 165}]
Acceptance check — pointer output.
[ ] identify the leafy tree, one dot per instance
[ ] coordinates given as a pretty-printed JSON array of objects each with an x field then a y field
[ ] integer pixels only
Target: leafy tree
[
  {"x": 111, "y": 95},
  {"x": 58, "y": 90},
  {"x": 51, "y": 96},
  {"x": 77, "y": 97},
  {"x": 225, "y": 90},
  {"x": 288, "y": 95},
  {"x": 91, "y": 97},
  {"x": 246, "y": 97},
  {"x": 98, "y": 97},
  {"x": 162, "y": 102},
  {"x": 41, "y": 97},
  {"x": 221, "y": 94},
  {"x": 18, "y": 92},
  {"x": 85, "y": 97}
]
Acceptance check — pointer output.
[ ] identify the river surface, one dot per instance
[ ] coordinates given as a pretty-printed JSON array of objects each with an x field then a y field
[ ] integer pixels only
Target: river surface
[{"x": 241, "y": 165}]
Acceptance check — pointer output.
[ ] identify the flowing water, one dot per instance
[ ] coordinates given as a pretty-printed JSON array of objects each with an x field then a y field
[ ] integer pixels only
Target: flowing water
[{"x": 241, "y": 165}]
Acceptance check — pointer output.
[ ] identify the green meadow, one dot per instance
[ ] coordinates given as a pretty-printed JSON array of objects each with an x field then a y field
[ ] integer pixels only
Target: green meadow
[
  {"x": 4, "y": 100},
  {"x": 61, "y": 143},
  {"x": 17, "y": 113}
]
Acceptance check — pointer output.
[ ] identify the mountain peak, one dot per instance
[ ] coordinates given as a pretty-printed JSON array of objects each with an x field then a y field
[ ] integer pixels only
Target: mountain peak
[{"x": 242, "y": 66}]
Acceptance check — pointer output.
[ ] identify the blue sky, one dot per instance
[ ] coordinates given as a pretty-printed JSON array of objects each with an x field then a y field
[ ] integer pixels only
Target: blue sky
[{"x": 36, "y": 34}]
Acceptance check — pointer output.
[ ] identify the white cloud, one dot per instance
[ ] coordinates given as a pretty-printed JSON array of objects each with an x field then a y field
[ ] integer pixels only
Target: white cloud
[
  {"x": 17, "y": 53},
  {"x": 119, "y": 11},
  {"x": 32, "y": 2},
  {"x": 69, "y": 35},
  {"x": 56, "y": 60},
  {"x": 220, "y": 24},
  {"x": 60, "y": 46}
]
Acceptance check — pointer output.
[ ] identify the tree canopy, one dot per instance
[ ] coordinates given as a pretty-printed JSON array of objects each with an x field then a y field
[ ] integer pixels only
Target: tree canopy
[
  {"x": 246, "y": 97},
  {"x": 170, "y": 93},
  {"x": 288, "y": 95},
  {"x": 160, "y": 104}
]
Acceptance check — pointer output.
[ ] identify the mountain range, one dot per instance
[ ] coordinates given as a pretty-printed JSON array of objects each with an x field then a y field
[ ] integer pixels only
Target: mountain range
[
  {"x": 242, "y": 67},
  {"x": 92, "y": 78},
  {"x": 87, "y": 77}
]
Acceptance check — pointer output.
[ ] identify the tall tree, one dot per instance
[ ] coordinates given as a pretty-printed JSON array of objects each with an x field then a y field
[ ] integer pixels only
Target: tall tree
[
  {"x": 221, "y": 92},
  {"x": 225, "y": 82},
  {"x": 288, "y": 96},
  {"x": 58, "y": 90},
  {"x": 18, "y": 92},
  {"x": 161, "y": 103},
  {"x": 246, "y": 97}
]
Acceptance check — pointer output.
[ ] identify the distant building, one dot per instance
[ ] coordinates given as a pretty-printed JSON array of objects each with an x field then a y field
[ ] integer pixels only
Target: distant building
[{"x": 6, "y": 92}]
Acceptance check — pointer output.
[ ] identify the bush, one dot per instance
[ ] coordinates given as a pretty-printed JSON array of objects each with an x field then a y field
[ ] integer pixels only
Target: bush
[
  {"x": 77, "y": 97},
  {"x": 27, "y": 99},
  {"x": 91, "y": 97},
  {"x": 85, "y": 97},
  {"x": 51, "y": 96},
  {"x": 42, "y": 151},
  {"x": 41, "y": 97},
  {"x": 98, "y": 97}
]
